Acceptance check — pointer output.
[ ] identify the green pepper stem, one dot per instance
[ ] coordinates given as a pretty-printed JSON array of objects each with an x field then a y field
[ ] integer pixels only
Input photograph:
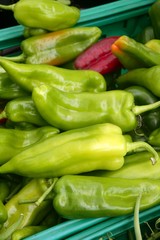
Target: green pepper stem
[
  {"x": 133, "y": 146},
  {"x": 7, "y": 7},
  {"x": 8, "y": 232},
  {"x": 19, "y": 58},
  {"x": 144, "y": 108},
  {"x": 137, "y": 229},
  {"x": 44, "y": 195}
]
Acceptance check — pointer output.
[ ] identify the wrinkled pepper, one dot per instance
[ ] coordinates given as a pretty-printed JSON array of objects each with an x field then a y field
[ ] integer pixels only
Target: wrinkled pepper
[
  {"x": 89, "y": 196},
  {"x": 56, "y": 48},
  {"x": 101, "y": 146},
  {"x": 29, "y": 76},
  {"x": 46, "y": 14},
  {"x": 22, "y": 210},
  {"x": 99, "y": 57},
  {"x": 154, "y": 137},
  {"x": 74, "y": 110},
  {"x": 145, "y": 77},
  {"x": 22, "y": 110},
  {"x": 9, "y": 147},
  {"x": 155, "y": 18},
  {"x": 142, "y": 96},
  {"x": 9, "y": 89},
  {"x": 136, "y": 166},
  {"x": 140, "y": 54}
]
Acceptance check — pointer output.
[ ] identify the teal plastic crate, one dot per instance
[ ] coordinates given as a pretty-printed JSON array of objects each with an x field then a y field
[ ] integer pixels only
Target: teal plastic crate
[{"x": 95, "y": 229}]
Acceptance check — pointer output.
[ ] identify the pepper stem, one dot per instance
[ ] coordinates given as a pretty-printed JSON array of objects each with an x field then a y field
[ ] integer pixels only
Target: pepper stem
[
  {"x": 144, "y": 145},
  {"x": 19, "y": 58},
  {"x": 137, "y": 229},
  {"x": 8, "y": 232},
  {"x": 44, "y": 195},
  {"x": 144, "y": 108},
  {"x": 7, "y": 7}
]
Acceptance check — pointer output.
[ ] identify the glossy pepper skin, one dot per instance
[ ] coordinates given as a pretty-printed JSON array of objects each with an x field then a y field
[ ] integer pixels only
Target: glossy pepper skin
[
  {"x": 9, "y": 89},
  {"x": 13, "y": 141},
  {"x": 47, "y": 14},
  {"x": 136, "y": 166},
  {"x": 154, "y": 17},
  {"x": 22, "y": 110},
  {"x": 29, "y": 76},
  {"x": 59, "y": 47},
  {"x": 99, "y": 57},
  {"x": 100, "y": 196},
  {"x": 101, "y": 146},
  {"x": 75, "y": 110},
  {"x": 22, "y": 210},
  {"x": 142, "y": 96},
  {"x": 139, "y": 52},
  {"x": 145, "y": 77}
]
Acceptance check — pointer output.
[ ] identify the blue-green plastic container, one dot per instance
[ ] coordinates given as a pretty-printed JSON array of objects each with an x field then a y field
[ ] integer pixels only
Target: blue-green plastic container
[{"x": 123, "y": 17}]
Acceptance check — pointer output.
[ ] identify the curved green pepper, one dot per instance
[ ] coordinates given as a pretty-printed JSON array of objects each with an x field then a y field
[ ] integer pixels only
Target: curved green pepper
[
  {"x": 9, "y": 89},
  {"x": 74, "y": 110},
  {"x": 46, "y": 14},
  {"x": 142, "y": 96},
  {"x": 22, "y": 110},
  {"x": 59, "y": 47},
  {"x": 136, "y": 166},
  {"x": 101, "y": 146},
  {"x": 145, "y": 77},
  {"x": 155, "y": 18},
  {"x": 30, "y": 32},
  {"x": 88, "y": 196},
  {"x": 29, "y": 76},
  {"x": 10, "y": 147},
  {"x": 22, "y": 210},
  {"x": 139, "y": 52}
]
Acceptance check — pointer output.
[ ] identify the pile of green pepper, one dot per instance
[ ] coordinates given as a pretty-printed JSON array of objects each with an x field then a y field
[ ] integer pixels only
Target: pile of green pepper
[{"x": 68, "y": 142}]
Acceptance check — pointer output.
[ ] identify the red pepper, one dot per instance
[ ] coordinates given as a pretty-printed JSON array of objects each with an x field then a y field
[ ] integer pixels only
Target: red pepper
[{"x": 99, "y": 57}]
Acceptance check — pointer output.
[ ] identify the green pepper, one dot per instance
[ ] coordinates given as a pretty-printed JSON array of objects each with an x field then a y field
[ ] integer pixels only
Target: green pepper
[
  {"x": 145, "y": 35},
  {"x": 155, "y": 18},
  {"x": 145, "y": 77},
  {"x": 4, "y": 192},
  {"x": 47, "y": 14},
  {"x": 29, "y": 76},
  {"x": 154, "y": 137},
  {"x": 136, "y": 166},
  {"x": 101, "y": 146},
  {"x": 22, "y": 210},
  {"x": 27, "y": 231},
  {"x": 67, "y": 111},
  {"x": 142, "y": 96},
  {"x": 154, "y": 44},
  {"x": 9, "y": 89},
  {"x": 137, "y": 52},
  {"x": 57, "y": 47},
  {"x": 30, "y": 32},
  {"x": 22, "y": 110},
  {"x": 13, "y": 141},
  {"x": 89, "y": 196}
]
